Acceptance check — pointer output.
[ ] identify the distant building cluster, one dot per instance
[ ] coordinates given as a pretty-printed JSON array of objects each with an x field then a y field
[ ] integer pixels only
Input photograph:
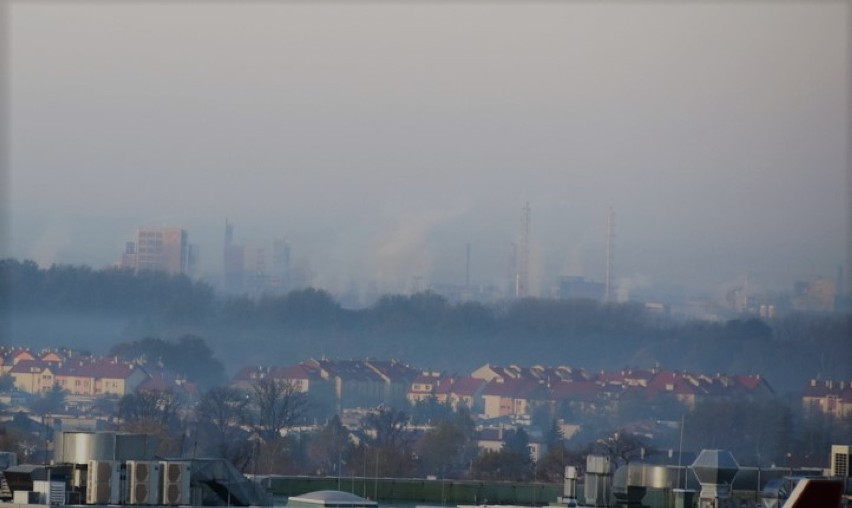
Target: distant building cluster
[
  {"x": 267, "y": 268},
  {"x": 259, "y": 270},
  {"x": 82, "y": 375}
]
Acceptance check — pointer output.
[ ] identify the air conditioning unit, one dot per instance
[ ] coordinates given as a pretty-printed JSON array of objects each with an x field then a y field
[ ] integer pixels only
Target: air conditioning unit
[
  {"x": 50, "y": 492},
  {"x": 143, "y": 480},
  {"x": 841, "y": 460},
  {"x": 103, "y": 482},
  {"x": 175, "y": 483}
]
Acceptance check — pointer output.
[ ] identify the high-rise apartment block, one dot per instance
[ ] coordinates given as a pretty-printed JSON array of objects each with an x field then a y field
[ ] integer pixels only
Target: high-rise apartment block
[{"x": 158, "y": 249}]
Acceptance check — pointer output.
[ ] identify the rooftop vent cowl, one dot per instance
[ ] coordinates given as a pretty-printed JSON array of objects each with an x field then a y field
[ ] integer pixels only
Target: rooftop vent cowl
[{"x": 715, "y": 470}]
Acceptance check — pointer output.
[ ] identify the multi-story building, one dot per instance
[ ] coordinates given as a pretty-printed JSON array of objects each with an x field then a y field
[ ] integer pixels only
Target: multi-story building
[
  {"x": 160, "y": 249},
  {"x": 817, "y": 296}
]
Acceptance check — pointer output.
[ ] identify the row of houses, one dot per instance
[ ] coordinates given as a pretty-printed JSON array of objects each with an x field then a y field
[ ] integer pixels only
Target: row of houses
[
  {"x": 83, "y": 375},
  {"x": 493, "y": 391},
  {"x": 343, "y": 383}
]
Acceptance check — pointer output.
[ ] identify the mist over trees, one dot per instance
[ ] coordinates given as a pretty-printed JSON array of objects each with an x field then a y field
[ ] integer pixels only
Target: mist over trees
[{"x": 165, "y": 317}]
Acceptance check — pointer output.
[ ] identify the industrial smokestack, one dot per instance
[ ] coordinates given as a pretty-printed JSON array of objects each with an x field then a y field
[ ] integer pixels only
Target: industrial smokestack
[
  {"x": 467, "y": 266},
  {"x": 610, "y": 233},
  {"x": 523, "y": 273}
]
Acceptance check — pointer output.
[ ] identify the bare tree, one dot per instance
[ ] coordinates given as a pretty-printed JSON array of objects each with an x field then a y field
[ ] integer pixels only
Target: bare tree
[
  {"x": 149, "y": 409},
  {"x": 387, "y": 427},
  {"x": 277, "y": 404},
  {"x": 154, "y": 412},
  {"x": 391, "y": 444},
  {"x": 623, "y": 446},
  {"x": 220, "y": 412}
]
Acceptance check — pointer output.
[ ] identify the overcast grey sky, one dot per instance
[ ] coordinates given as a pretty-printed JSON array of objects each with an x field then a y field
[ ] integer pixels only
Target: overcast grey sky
[{"x": 379, "y": 138}]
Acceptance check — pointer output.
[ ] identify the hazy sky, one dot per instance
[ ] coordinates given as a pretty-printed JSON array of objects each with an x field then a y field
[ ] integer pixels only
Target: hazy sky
[{"x": 379, "y": 138}]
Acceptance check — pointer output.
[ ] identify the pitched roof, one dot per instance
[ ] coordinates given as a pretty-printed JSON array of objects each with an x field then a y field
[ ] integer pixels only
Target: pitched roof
[
  {"x": 576, "y": 390},
  {"x": 77, "y": 368},
  {"x": 751, "y": 382},
  {"x": 29, "y": 367},
  {"x": 298, "y": 371},
  {"x": 395, "y": 371},
  {"x": 679, "y": 383},
  {"x": 516, "y": 389},
  {"x": 461, "y": 386},
  {"x": 348, "y": 370},
  {"x": 841, "y": 390},
  {"x": 111, "y": 369}
]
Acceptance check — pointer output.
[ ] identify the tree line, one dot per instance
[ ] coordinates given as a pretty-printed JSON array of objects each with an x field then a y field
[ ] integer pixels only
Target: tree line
[{"x": 422, "y": 327}]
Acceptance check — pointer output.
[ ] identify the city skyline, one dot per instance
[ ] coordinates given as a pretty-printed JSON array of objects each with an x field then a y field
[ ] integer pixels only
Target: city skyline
[{"x": 721, "y": 156}]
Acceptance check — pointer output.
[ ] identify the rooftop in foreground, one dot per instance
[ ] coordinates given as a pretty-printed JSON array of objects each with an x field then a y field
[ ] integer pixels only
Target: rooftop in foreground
[{"x": 330, "y": 498}]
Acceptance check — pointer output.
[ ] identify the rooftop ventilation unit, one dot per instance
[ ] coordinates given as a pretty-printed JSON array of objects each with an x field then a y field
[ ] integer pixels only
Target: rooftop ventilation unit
[
  {"x": 50, "y": 492},
  {"x": 102, "y": 482},
  {"x": 598, "y": 481},
  {"x": 715, "y": 470},
  {"x": 840, "y": 461},
  {"x": 175, "y": 483},
  {"x": 143, "y": 482}
]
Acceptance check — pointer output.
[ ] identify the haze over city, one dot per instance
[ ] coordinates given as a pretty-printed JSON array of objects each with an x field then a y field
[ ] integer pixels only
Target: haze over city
[{"x": 380, "y": 139}]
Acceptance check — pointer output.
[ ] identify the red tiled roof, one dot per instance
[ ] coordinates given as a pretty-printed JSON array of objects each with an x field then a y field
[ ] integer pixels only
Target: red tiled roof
[
  {"x": 518, "y": 389},
  {"x": 29, "y": 366},
  {"x": 461, "y": 386},
  {"x": 109, "y": 369},
  {"x": 680, "y": 384},
  {"x": 576, "y": 390},
  {"x": 749, "y": 382},
  {"x": 75, "y": 369}
]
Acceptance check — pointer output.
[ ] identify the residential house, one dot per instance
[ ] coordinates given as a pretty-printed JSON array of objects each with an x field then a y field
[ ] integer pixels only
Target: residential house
[
  {"x": 494, "y": 439},
  {"x": 397, "y": 377},
  {"x": 512, "y": 397},
  {"x": 424, "y": 385},
  {"x": 77, "y": 377},
  {"x": 576, "y": 397},
  {"x": 355, "y": 384},
  {"x": 247, "y": 376},
  {"x": 32, "y": 376},
  {"x": 462, "y": 391},
  {"x": 161, "y": 379},
  {"x": 685, "y": 388},
  {"x": 116, "y": 377},
  {"x": 753, "y": 385},
  {"x": 829, "y": 397}
]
